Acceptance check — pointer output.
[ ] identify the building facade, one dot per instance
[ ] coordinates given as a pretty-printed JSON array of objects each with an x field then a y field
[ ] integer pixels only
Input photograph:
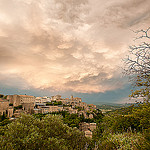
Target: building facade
[
  {"x": 17, "y": 100},
  {"x": 4, "y": 105}
]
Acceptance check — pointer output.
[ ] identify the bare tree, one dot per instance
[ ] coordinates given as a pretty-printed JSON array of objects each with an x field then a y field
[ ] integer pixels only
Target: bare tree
[{"x": 137, "y": 64}]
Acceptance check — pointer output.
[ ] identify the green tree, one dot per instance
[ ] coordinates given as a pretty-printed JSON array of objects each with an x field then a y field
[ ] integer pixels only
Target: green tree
[
  {"x": 142, "y": 114},
  {"x": 49, "y": 133},
  {"x": 1, "y": 95}
]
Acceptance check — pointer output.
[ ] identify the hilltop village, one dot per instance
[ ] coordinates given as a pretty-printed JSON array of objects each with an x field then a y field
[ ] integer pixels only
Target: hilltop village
[
  {"x": 15, "y": 105},
  {"x": 71, "y": 121}
]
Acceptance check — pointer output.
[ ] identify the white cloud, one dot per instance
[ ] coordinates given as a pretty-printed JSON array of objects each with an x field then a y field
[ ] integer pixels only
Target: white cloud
[{"x": 67, "y": 45}]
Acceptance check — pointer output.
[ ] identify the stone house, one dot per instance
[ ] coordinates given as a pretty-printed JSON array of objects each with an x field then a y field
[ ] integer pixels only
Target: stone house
[
  {"x": 10, "y": 111},
  {"x": 37, "y": 111},
  {"x": 28, "y": 107},
  {"x": 91, "y": 116},
  {"x": 92, "y": 126},
  {"x": 88, "y": 133},
  {"x": 18, "y": 113},
  {"x": 88, "y": 128},
  {"x": 47, "y": 109},
  {"x": 4, "y": 105},
  {"x": 17, "y": 100}
]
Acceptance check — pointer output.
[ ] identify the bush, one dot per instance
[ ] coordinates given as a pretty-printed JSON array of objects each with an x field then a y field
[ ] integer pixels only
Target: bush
[
  {"x": 48, "y": 133},
  {"x": 121, "y": 141}
]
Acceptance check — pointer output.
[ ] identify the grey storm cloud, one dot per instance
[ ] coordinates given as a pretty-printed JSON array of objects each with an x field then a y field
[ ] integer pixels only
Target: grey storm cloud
[{"x": 67, "y": 45}]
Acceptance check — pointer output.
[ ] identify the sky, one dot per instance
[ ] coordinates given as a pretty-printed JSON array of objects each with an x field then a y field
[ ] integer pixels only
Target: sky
[{"x": 68, "y": 47}]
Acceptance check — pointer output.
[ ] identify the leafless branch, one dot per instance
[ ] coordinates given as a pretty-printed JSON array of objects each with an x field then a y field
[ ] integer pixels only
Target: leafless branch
[{"x": 138, "y": 62}]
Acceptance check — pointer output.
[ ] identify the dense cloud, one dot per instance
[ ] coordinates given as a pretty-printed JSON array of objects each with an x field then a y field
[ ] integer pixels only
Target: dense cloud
[{"x": 67, "y": 45}]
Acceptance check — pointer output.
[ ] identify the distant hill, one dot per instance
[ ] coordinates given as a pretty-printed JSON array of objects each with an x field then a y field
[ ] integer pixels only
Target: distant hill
[{"x": 105, "y": 107}]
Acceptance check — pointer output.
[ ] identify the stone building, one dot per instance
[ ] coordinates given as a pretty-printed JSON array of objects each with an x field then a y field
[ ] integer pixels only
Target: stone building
[
  {"x": 44, "y": 99},
  {"x": 92, "y": 126},
  {"x": 55, "y": 98},
  {"x": 48, "y": 109},
  {"x": 91, "y": 116},
  {"x": 14, "y": 99},
  {"x": 28, "y": 107},
  {"x": 18, "y": 113},
  {"x": 44, "y": 109},
  {"x": 83, "y": 126},
  {"x": 88, "y": 128},
  {"x": 84, "y": 105},
  {"x": 38, "y": 100},
  {"x": 10, "y": 111},
  {"x": 73, "y": 111},
  {"x": 92, "y": 106},
  {"x": 4, "y": 105},
  {"x": 37, "y": 111},
  {"x": 84, "y": 114},
  {"x": 17, "y": 100},
  {"x": 88, "y": 133},
  {"x": 55, "y": 108},
  {"x": 74, "y": 101}
]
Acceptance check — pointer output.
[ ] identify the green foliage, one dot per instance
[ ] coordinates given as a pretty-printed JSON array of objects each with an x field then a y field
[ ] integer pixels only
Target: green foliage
[
  {"x": 5, "y": 97},
  {"x": 119, "y": 123},
  {"x": 129, "y": 118},
  {"x": 73, "y": 120},
  {"x": 142, "y": 114},
  {"x": 50, "y": 133},
  {"x": 146, "y": 141},
  {"x": 97, "y": 115},
  {"x": 107, "y": 145},
  {"x": 4, "y": 120},
  {"x": 79, "y": 108},
  {"x": 143, "y": 83},
  {"x": 53, "y": 103},
  {"x": 18, "y": 107},
  {"x": 3, "y": 117},
  {"x": 39, "y": 116},
  {"x": 10, "y": 104},
  {"x": 122, "y": 141},
  {"x": 59, "y": 103},
  {"x": 49, "y": 104},
  {"x": 126, "y": 128},
  {"x": 1, "y": 95}
]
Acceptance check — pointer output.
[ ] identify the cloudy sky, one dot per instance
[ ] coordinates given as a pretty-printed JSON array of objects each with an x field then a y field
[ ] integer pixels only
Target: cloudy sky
[{"x": 68, "y": 47}]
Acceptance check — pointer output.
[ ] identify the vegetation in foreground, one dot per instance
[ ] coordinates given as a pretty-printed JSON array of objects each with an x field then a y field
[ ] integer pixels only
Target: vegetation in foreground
[
  {"x": 49, "y": 133},
  {"x": 124, "y": 129}
]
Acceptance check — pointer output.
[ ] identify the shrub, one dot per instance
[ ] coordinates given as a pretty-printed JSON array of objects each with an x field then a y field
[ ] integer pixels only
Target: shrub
[{"x": 48, "y": 133}]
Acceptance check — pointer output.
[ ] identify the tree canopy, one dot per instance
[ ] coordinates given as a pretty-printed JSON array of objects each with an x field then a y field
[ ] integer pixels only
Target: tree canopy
[{"x": 50, "y": 133}]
